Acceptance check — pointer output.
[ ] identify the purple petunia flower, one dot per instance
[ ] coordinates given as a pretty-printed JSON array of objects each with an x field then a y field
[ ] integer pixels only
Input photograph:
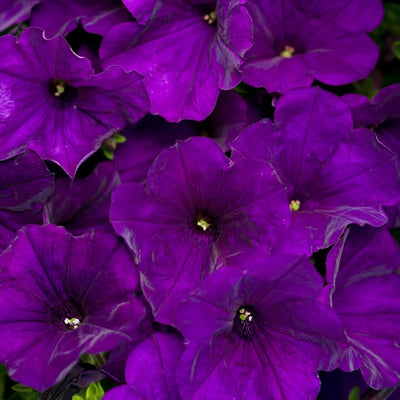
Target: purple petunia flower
[
  {"x": 364, "y": 290},
  {"x": 62, "y": 296},
  {"x": 196, "y": 210},
  {"x": 25, "y": 185},
  {"x": 187, "y": 51},
  {"x": 54, "y": 104},
  {"x": 63, "y": 16},
  {"x": 150, "y": 370},
  {"x": 297, "y": 41},
  {"x": 257, "y": 332},
  {"x": 83, "y": 204},
  {"x": 334, "y": 176}
]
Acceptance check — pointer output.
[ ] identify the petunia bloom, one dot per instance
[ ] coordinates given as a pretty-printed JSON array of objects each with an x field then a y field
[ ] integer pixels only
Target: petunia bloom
[
  {"x": 257, "y": 331},
  {"x": 187, "y": 51},
  {"x": 335, "y": 176},
  {"x": 53, "y": 103},
  {"x": 297, "y": 41},
  {"x": 196, "y": 210},
  {"x": 62, "y": 296}
]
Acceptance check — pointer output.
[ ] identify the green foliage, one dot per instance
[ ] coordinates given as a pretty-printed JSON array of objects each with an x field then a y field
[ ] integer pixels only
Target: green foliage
[
  {"x": 366, "y": 87},
  {"x": 108, "y": 146},
  {"x": 354, "y": 393},
  {"x": 93, "y": 392},
  {"x": 396, "y": 49},
  {"x": 390, "y": 23},
  {"x": 22, "y": 392}
]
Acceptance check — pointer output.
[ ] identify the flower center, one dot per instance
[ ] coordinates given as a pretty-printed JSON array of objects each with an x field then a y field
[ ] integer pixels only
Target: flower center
[
  {"x": 203, "y": 224},
  {"x": 211, "y": 17},
  {"x": 294, "y": 205},
  {"x": 62, "y": 90},
  {"x": 287, "y": 52},
  {"x": 206, "y": 225},
  {"x": 246, "y": 324},
  {"x": 67, "y": 315},
  {"x": 72, "y": 323}
]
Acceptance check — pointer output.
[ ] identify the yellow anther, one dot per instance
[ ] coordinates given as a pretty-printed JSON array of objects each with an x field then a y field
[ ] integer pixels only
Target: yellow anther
[
  {"x": 288, "y": 52},
  {"x": 294, "y": 205},
  {"x": 203, "y": 224}
]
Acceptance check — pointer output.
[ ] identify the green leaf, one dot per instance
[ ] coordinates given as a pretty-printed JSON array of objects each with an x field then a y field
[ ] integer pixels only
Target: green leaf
[
  {"x": 93, "y": 392},
  {"x": 109, "y": 154},
  {"x": 354, "y": 393},
  {"x": 391, "y": 21},
  {"x": 367, "y": 88},
  {"x": 396, "y": 49},
  {"x": 21, "y": 388},
  {"x": 119, "y": 138}
]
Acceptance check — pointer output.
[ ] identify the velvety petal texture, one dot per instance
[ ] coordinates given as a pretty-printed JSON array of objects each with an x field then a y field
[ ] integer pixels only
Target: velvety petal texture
[
  {"x": 25, "y": 185},
  {"x": 83, "y": 204},
  {"x": 187, "y": 52},
  {"x": 141, "y": 10},
  {"x": 62, "y": 296},
  {"x": 231, "y": 115},
  {"x": 150, "y": 370},
  {"x": 15, "y": 11},
  {"x": 144, "y": 142},
  {"x": 363, "y": 273},
  {"x": 297, "y": 41},
  {"x": 256, "y": 332},
  {"x": 334, "y": 176},
  {"x": 382, "y": 115},
  {"x": 74, "y": 109},
  {"x": 62, "y": 16},
  {"x": 196, "y": 209}
]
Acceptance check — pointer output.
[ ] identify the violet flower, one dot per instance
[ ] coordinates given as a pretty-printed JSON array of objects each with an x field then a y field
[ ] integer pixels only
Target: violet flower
[
  {"x": 187, "y": 51},
  {"x": 54, "y": 104},
  {"x": 334, "y": 176},
  {"x": 62, "y": 296},
  {"x": 196, "y": 210},
  {"x": 297, "y": 41},
  {"x": 257, "y": 332}
]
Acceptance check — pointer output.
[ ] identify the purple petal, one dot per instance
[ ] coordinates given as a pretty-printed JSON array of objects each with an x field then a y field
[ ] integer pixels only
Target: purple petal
[
  {"x": 365, "y": 294},
  {"x": 83, "y": 204},
  {"x": 63, "y": 16}
]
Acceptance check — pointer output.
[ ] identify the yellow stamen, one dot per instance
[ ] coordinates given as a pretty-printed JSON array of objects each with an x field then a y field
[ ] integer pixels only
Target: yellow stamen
[
  {"x": 211, "y": 17},
  {"x": 203, "y": 224},
  {"x": 294, "y": 205},
  {"x": 288, "y": 52}
]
